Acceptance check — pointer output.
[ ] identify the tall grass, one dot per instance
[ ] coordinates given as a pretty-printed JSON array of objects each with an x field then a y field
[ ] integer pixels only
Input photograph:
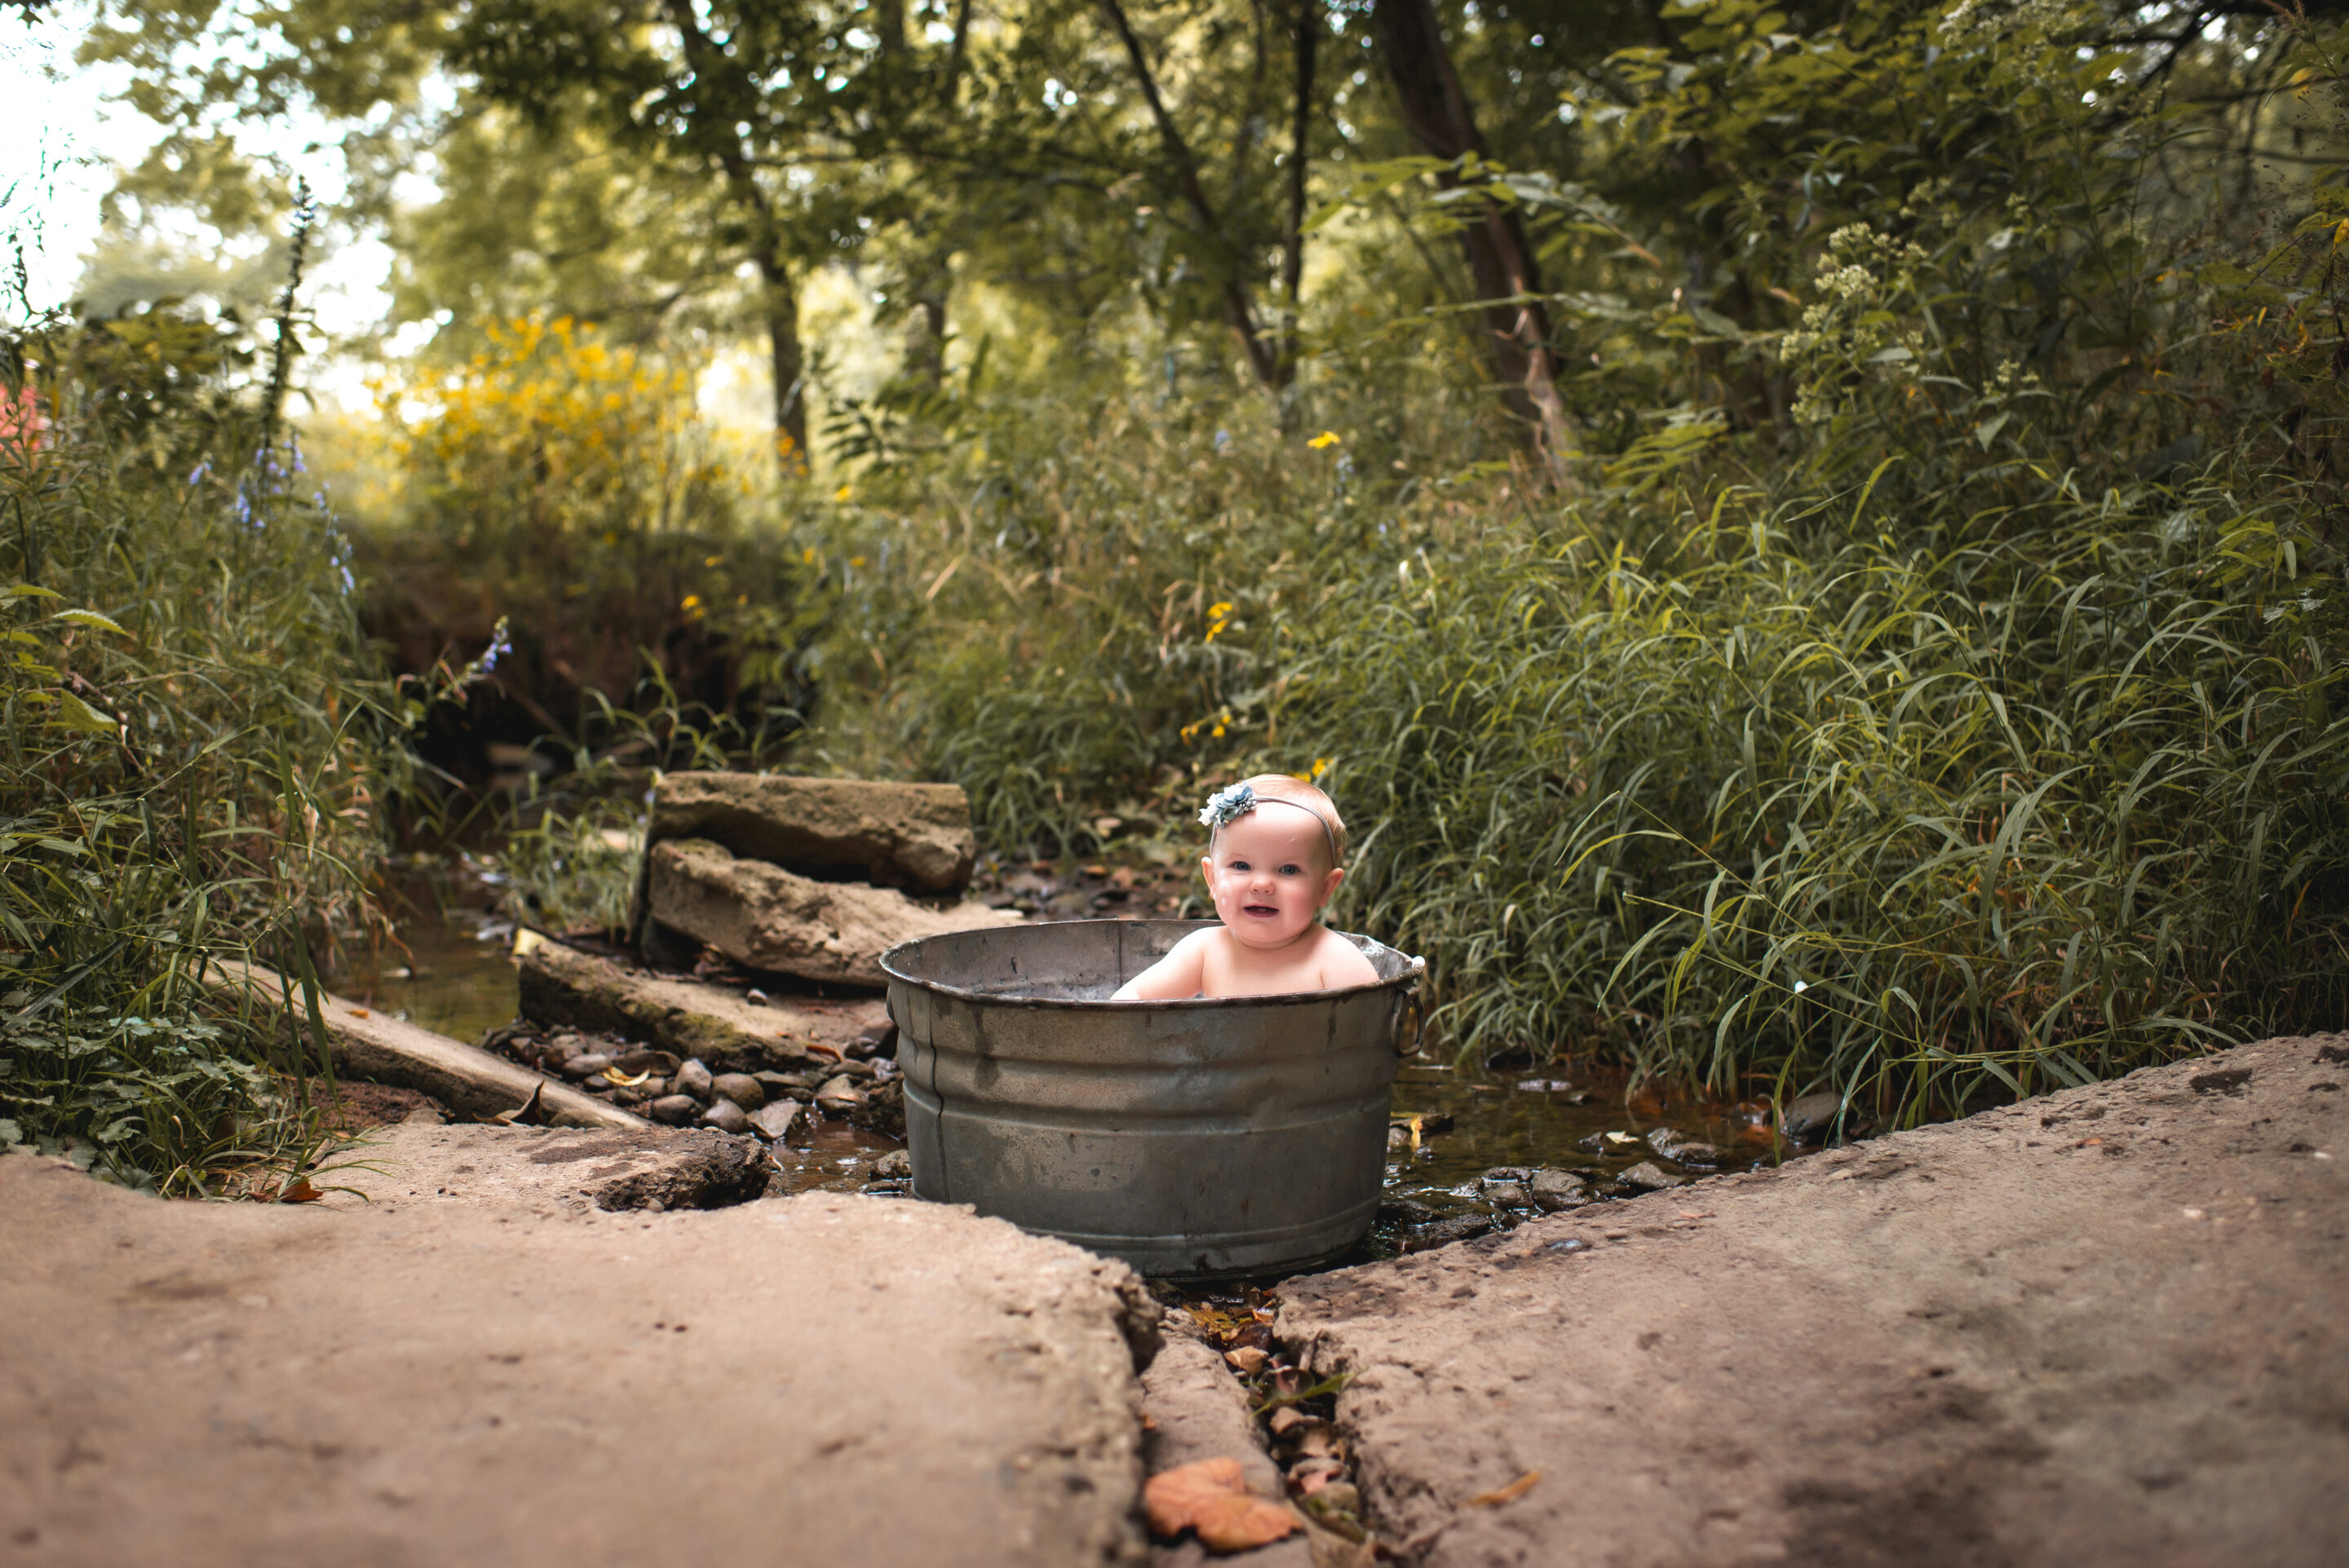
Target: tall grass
[{"x": 189, "y": 763}]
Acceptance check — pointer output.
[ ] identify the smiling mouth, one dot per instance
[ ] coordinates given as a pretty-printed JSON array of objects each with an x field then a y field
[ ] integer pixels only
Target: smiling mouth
[{"x": 1261, "y": 911}]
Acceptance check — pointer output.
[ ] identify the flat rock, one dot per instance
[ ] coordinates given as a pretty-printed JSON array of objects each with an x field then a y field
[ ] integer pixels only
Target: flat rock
[
  {"x": 828, "y": 1378},
  {"x": 689, "y": 1018},
  {"x": 892, "y": 835},
  {"x": 765, "y": 917},
  {"x": 547, "y": 1170},
  {"x": 2104, "y": 1325}
]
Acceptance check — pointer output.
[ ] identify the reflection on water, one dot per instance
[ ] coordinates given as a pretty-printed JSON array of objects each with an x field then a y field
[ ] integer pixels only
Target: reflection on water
[{"x": 458, "y": 976}]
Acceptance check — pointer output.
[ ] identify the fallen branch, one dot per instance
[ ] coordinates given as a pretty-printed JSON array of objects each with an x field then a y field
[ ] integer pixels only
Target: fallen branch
[{"x": 369, "y": 1045}]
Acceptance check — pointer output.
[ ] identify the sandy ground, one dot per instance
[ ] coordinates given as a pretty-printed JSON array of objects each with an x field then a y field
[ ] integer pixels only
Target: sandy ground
[
  {"x": 2107, "y": 1325},
  {"x": 483, "y": 1367}
]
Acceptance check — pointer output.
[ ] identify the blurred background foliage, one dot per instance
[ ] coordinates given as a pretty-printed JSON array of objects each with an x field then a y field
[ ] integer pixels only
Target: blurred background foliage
[{"x": 1805, "y": 540}]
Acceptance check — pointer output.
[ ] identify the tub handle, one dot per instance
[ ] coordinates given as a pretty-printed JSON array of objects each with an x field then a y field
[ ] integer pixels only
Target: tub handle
[{"x": 1409, "y": 1000}]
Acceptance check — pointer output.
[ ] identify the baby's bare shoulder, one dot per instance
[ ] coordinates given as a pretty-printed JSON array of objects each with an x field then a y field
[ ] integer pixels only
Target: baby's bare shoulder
[{"x": 1342, "y": 963}]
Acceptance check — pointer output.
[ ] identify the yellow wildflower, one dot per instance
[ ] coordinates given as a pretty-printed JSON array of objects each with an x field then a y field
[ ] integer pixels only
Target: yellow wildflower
[{"x": 1326, "y": 438}]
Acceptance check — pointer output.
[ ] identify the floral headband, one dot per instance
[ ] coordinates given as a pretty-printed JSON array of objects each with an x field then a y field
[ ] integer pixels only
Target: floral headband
[{"x": 1227, "y": 806}]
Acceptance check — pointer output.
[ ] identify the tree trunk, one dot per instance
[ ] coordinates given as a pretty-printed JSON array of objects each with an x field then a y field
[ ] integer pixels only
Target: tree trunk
[
  {"x": 1436, "y": 111},
  {"x": 1292, "y": 249},
  {"x": 781, "y": 304},
  {"x": 1239, "y": 311}
]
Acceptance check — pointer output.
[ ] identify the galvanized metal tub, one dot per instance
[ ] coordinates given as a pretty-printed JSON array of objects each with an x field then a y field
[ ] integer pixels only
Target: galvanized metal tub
[{"x": 1194, "y": 1138}]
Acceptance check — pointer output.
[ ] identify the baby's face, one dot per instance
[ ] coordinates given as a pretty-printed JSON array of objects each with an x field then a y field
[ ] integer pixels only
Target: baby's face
[{"x": 1269, "y": 874}]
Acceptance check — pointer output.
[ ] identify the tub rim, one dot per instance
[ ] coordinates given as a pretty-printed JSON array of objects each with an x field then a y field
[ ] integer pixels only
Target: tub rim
[{"x": 1408, "y": 983}]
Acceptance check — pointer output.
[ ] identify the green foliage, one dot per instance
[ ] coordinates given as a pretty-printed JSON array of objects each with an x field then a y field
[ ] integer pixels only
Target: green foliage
[{"x": 189, "y": 772}]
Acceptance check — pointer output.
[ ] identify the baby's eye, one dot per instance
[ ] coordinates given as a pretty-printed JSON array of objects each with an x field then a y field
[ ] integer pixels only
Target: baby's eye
[
  {"x": 1292, "y": 870},
  {"x": 1238, "y": 865}
]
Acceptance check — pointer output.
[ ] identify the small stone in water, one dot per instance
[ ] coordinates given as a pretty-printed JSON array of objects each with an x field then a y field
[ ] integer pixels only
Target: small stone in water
[
  {"x": 839, "y": 1095},
  {"x": 740, "y": 1088},
  {"x": 1647, "y": 1176},
  {"x": 726, "y": 1117},
  {"x": 773, "y": 1121},
  {"x": 676, "y": 1110},
  {"x": 586, "y": 1065},
  {"x": 1505, "y": 1195},
  {"x": 756, "y": 997},
  {"x": 894, "y": 1166},
  {"x": 785, "y": 1086},
  {"x": 693, "y": 1078},
  {"x": 1555, "y": 1190}
]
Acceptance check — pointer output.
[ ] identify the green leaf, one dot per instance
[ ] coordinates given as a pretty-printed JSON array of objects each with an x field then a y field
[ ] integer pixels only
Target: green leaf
[
  {"x": 33, "y": 591},
  {"x": 1987, "y": 431},
  {"x": 90, "y": 618},
  {"x": 76, "y": 715}
]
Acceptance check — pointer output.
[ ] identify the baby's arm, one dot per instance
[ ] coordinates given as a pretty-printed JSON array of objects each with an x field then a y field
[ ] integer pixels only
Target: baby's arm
[{"x": 1181, "y": 973}]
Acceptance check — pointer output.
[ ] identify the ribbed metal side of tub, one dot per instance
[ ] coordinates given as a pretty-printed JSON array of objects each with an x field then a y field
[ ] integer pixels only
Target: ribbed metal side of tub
[{"x": 1186, "y": 1138}]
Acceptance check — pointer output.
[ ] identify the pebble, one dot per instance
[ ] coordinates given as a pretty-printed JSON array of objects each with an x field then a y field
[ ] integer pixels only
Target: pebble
[
  {"x": 773, "y": 1120},
  {"x": 740, "y": 1088},
  {"x": 1813, "y": 1117},
  {"x": 693, "y": 1078},
  {"x": 1505, "y": 1195},
  {"x": 726, "y": 1117},
  {"x": 676, "y": 1110},
  {"x": 894, "y": 1166},
  {"x": 586, "y": 1065},
  {"x": 785, "y": 1086}
]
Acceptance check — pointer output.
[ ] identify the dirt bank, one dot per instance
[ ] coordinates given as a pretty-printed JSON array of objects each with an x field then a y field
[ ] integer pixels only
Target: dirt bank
[
  {"x": 483, "y": 1367},
  {"x": 2107, "y": 1325}
]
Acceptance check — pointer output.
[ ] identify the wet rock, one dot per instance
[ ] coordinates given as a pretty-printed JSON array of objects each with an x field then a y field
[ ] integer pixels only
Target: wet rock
[
  {"x": 768, "y": 918},
  {"x": 882, "y": 1111},
  {"x": 1683, "y": 1150},
  {"x": 874, "y": 1043},
  {"x": 1459, "y": 1228},
  {"x": 726, "y": 1117},
  {"x": 1812, "y": 1117},
  {"x": 685, "y": 1018},
  {"x": 1506, "y": 1187},
  {"x": 787, "y": 1085},
  {"x": 641, "y": 1059},
  {"x": 839, "y": 1095},
  {"x": 915, "y": 835},
  {"x": 693, "y": 1078},
  {"x": 740, "y": 1088},
  {"x": 585, "y": 1065},
  {"x": 1648, "y": 1176},
  {"x": 1610, "y": 1143},
  {"x": 1555, "y": 1190},
  {"x": 894, "y": 1166},
  {"x": 626, "y": 1095},
  {"x": 1407, "y": 1212},
  {"x": 775, "y": 1120},
  {"x": 676, "y": 1110}
]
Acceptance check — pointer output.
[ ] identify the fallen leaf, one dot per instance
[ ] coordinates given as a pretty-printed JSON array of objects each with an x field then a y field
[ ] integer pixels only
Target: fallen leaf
[
  {"x": 300, "y": 1191},
  {"x": 615, "y": 1076},
  {"x": 1212, "y": 1498},
  {"x": 832, "y": 1051},
  {"x": 359, "y": 1012},
  {"x": 1247, "y": 1359},
  {"x": 1509, "y": 1493}
]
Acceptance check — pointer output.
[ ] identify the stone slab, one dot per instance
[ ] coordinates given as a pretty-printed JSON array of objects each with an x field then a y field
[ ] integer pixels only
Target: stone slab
[
  {"x": 895, "y": 835},
  {"x": 2106, "y": 1326},
  {"x": 765, "y": 917},
  {"x": 823, "y": 1378},
  {"x": 718, "y": 1024}
]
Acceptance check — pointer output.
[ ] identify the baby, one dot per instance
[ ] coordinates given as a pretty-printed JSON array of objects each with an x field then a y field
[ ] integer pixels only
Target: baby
[{"x": 1275, "y": 848}]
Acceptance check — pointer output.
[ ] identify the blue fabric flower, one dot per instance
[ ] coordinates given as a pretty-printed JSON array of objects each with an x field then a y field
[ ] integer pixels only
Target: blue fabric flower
[{"x": 1226, "y": 806}]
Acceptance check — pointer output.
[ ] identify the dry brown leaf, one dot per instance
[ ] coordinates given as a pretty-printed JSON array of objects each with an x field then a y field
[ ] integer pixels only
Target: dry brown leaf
[
  {"x": 1212, "y": 1498},
  {"x": 1509, "y": 1493},
  {"x": 300, "y": 1191},
  {"x": 1249, "y": 1359}
]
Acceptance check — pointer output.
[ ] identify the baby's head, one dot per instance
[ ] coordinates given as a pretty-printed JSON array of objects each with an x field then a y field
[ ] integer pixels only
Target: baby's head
[{"x": 1275, "y": 854}]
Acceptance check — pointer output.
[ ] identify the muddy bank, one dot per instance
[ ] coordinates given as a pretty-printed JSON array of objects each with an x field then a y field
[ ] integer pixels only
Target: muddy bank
[{"x": 2110, "y": 1324}]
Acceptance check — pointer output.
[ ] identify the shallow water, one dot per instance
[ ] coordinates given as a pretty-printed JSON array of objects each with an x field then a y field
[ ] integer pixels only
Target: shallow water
[{"x": 456, "y": 978}]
